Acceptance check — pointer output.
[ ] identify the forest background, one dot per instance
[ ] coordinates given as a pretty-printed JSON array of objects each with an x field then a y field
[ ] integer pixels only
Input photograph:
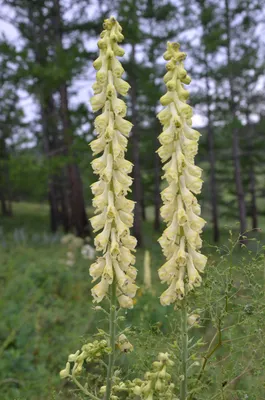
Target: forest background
[{"x": 46, "y": 52}]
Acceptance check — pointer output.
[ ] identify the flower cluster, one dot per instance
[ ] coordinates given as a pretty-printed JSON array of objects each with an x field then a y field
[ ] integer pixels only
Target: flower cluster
[
  {"x": 181, "y": 240},
  {"x": 90, "y": 352},
  {"x": 73, "y": 244},
  {"x": 114, "y": 212},
  {"x": 156, "y": 384},
  {"x": 122, "y": 390},
  {"x": 88, "y": 252}
]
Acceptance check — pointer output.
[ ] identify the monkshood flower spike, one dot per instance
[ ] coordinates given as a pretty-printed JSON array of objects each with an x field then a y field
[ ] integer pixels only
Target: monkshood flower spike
[
  {"x": 114, "y": 212},
  {"x": 181, "y": 240}
]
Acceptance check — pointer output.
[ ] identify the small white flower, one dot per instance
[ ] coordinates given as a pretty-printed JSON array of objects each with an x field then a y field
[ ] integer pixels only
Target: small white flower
[
  {"x": 88, "y": 252},
  {"x": 70, "y": 262}
]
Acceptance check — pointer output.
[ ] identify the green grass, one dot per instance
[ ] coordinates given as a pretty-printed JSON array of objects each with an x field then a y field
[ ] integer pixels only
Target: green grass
[
  {"x": 45, "y": 309},
  {"x": 45, "y": 306}
]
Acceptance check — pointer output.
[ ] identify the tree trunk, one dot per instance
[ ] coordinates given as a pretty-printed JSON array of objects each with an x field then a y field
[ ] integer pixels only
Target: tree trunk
[
  {"x": 143, "y": 209},
  {"x": 213, "y": 191},
  {"x": 54, "y": 220},
  {"x": 137, "y": 193},
  {"x": 210, "y": 134},
  {"x": 78, "y": 212},
  {"x": 235, "y": 146},
  {"x": 254, "y": 211},
  {"x": 3, "y": 204},
  {"x": 210, "y": 138},
  {"x": 5, "y": 187},
  {"x": 252, "y": 177},
  {"x": 48, "y": 129},
  {"x": 9, "y": 196},
  {"x": 8, "y": 189},
  {"x": 239, "y": 185}
]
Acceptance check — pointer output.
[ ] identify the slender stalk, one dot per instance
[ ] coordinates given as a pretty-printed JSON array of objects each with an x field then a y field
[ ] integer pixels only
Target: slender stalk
[
  {"x": 83, "y": 389},
  {"x": 185, "y": 356},
  {"x": 112, "y": 335},
  {"x": 211, "y": 350}
]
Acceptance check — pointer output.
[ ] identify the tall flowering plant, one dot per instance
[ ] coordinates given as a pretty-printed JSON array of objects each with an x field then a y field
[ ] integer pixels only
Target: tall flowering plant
[
  {"x": 113, "y": 210},
  {"x": 114, "y": 217},
  {"x": 181, "y": 240}
]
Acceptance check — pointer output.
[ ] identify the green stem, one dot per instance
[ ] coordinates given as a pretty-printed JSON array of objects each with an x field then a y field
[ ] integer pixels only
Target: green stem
[
  {"x": 83, "y": 389},
  {"x": 112, "y": 335},
  {"x": 185, "y": 356},
  {"x": 211, "y": 350}
]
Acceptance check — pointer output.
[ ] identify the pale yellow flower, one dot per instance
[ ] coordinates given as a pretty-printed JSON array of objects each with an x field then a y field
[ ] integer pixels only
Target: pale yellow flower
[
  {"x": 108, "y": 269},
  {"x": 124, "y": 345},
  {"x": 96, "y": 269},
  {"x": 168, "y": 270},
  {"x": 100, "y": 290},
  {"x": 123, "y": 125},
  {"x": 102, "y": 239},
  {"x": 125, "y": 301},
  {"x": 114, "y": 216},
  {"x": 180, "y": 210},
  {"x": 194, "y": 320},
  {"x": 170, "y": 295}
]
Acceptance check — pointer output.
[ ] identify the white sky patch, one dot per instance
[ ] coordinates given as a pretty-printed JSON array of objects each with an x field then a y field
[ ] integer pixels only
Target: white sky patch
[
  {"x": 199, "y": 121},
  {"x": 8, "y": 30}
]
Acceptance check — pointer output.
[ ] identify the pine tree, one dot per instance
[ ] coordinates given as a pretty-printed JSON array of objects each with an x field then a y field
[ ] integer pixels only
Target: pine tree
[
  {"x": 227, "y": 56},
  {"x": 237, "y": 20},
  {"x": 47, "y": 71},
  {"x": 11, "y": 122}
]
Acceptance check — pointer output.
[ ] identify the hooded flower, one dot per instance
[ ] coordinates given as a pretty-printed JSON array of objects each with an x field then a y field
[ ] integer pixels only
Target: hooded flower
[
  {"x": 181, "y": 240},
  {"x": 114, "y": 213}
]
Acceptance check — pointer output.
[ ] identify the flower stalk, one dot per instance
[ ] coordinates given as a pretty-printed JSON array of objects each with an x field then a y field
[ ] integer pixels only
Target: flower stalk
[
  {"x": 185, "y": 352},
  {"x": 181, "y": 241},
  {"x": 112, "y": 333},
  {"x": 114, "y": 212}
]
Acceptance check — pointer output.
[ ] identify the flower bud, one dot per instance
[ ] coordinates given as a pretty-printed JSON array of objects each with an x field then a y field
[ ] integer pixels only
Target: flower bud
[
  {"x": 194, "y": 319},
  {"x": 64, "y": 373},
  {"x": 73, "y": 357}
]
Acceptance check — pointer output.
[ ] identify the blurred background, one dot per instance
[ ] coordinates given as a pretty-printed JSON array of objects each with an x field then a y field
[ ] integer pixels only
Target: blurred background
[
  {"x": 47, "y": 48},
  {"x": 46, "y": 52}
]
